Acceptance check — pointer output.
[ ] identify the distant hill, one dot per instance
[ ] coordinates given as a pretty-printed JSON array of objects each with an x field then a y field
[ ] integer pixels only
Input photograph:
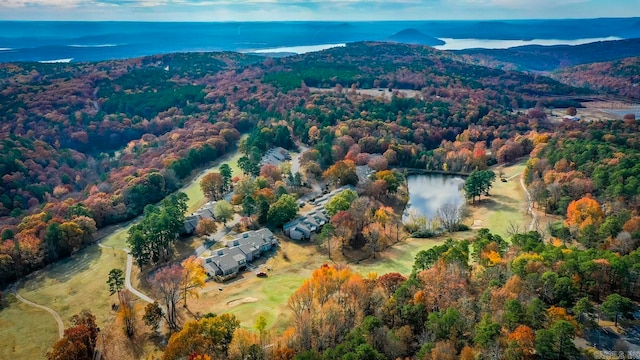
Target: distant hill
[
  {"x": 413, "y": 36},
  {"x": 549, "y": 58},
  {"x": 620, "y": 77}
]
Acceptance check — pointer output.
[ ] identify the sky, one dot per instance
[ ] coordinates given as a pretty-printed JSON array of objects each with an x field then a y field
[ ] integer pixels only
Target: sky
[{"x": 288, "y": 10}]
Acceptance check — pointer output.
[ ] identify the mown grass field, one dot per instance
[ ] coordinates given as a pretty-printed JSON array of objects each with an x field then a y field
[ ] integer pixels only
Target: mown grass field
[
  {"x": 77, "y": 283},
  {"x": 507, "y": 204},
  {"x": 26, "y": 332}
]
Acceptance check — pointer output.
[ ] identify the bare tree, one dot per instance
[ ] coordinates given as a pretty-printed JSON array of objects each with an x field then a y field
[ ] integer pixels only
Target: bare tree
[
  {"x": 167, "y": 281},
  {"x": 450, "y": 216},
  {"x": 513, "y": 228}
]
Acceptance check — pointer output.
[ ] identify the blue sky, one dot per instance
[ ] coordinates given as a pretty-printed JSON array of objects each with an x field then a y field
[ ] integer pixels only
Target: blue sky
[{"x": 278, "y": 10}]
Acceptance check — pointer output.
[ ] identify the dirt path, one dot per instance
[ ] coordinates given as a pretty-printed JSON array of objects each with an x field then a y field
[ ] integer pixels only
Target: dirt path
[
  {"x": 534, "y": 216},
  {"x": 53, "y": 313}
]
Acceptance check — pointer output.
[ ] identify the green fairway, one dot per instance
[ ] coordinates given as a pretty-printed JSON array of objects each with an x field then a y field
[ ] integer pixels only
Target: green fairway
[
  {"x": 505, "y": 206},
  {"x": 192, "y": 189},
  {"x": 26, "y": 332},
  {"x": 77, "y": 283}
]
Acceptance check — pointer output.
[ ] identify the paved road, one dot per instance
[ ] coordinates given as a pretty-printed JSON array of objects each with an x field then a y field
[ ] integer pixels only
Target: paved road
[
  {"x": 218, "y": 235},
  {"x": 127, "y": 281},
  {"x": 127, "y": 275},
  {"x": 53, "y": 313}
]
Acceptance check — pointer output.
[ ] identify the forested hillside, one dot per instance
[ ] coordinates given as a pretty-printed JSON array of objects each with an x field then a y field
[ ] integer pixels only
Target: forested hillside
[
  {"x": 91, "y": 144},
  {"x": 549, "y": 58},
  {"x": 85, "y": 139},
  {"x": 620, "y": 77}
]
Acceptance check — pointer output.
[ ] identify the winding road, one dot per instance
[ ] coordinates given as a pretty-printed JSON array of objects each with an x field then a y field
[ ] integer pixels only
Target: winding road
[
  {"x": 53, "y": 313},
  {"x": 127, "y": 275}
]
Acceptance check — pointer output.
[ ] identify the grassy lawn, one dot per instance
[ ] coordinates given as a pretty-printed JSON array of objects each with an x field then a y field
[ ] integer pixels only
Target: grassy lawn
[
  {"x": 250, "y": 296},
  {"x": 507, "y": 204},
  {"x": 78, "y": 283},
  {"x": 192, "y": 189},
  {"x": 26, "y": 332}
]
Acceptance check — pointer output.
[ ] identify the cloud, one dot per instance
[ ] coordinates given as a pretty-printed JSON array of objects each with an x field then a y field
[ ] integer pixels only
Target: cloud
[
  {"x": 340, "y": 10},
  {"x": 520, "y": 4},
  {"x": 38, "y": 3}
]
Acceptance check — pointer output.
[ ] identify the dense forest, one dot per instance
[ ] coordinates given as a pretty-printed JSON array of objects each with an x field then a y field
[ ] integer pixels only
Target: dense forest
[
  {"x": 92, "y": 144},
  {"x": 620, "y": 77},
  {"x": 549, "y": 58}
]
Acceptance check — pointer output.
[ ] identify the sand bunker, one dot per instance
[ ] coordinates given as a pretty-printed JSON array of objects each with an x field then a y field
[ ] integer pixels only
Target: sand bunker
[
  {"x": 477, "y": 224},
  {"x": 236, "y": 302}
]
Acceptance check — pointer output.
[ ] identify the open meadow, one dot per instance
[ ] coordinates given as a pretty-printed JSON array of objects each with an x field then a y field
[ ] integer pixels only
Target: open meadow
[{"x": 506, "y": 205}]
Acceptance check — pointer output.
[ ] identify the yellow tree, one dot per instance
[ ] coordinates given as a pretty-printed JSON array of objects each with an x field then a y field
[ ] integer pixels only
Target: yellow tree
[
  {"x": 584, "y": 212},
  {"x": 241, "y": 343},
  {"x": 193, "y": 277}
]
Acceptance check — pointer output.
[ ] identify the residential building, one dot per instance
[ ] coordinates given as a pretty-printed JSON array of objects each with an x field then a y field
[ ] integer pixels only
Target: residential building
[{"x": 227, "y": 262}]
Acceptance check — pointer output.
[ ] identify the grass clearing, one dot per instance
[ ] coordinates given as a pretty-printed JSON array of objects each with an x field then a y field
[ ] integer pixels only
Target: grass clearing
[
  {"x": 506, "y": 205},
  {"x": 26, "y": 332},
  {"x": 192, "y": 189},
  {"x": 77, "y": 283}
]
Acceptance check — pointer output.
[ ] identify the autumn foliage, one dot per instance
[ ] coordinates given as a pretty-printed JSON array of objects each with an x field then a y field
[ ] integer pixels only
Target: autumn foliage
[{"x": 584, "y": 212}]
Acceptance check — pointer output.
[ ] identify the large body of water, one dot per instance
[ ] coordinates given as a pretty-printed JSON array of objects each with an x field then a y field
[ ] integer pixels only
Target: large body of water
[
  {"x": 91, "y": 41},
  {"x": 427, "y": 193}
]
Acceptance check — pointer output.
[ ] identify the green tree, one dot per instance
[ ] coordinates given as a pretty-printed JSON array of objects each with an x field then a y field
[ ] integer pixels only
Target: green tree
[
  {"x": 535, "y": 313},
  {"x": 617, "y": 307},
  {"x": 261, "y": 326},
  {"x": 556, "y": 342},
  {"x": 486, "y": 332},
  {"x": 513, "y": 313},
  {"x": 445, "y": 324},
  {"x": 262, "y": 209},
  {"x": 478, "y": 183},
  {"x": 341, "y": 201},
  {"x": 283, "y": 210},
  {"x": 248, "y": 167},
  {"x": 116, "y": 282},
  {"x": 248, "y": 205},
  {"x": 151, "y": 240},
  {"x": 585, "y": 311},
  {"x": 223, "y": 211},
  {"x": 227, "y": 173}
]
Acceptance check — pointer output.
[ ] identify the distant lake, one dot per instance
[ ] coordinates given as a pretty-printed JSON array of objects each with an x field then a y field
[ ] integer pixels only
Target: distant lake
[
  {"x": 427, "y": 193},
  {"x": 462, "y": 44},
  {"x": 298, "y": 49}
]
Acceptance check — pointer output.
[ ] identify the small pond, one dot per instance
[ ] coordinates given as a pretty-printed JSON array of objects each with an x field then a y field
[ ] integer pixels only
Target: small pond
[{"x": 427, "y": 193}]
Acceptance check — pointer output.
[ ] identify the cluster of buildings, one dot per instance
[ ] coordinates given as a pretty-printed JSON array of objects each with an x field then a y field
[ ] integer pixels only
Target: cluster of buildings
[
  {"x": 191, "y": 221},
  {"x": 312, "y": 222},
  {"x": 226, "y": 263},
  {"x": 275, "y": 156}
]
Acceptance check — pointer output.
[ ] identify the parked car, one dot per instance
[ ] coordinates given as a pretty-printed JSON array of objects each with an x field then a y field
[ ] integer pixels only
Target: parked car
[
  {"x": 503, "y": 179},
  {"x": 261, "y": 274}
]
